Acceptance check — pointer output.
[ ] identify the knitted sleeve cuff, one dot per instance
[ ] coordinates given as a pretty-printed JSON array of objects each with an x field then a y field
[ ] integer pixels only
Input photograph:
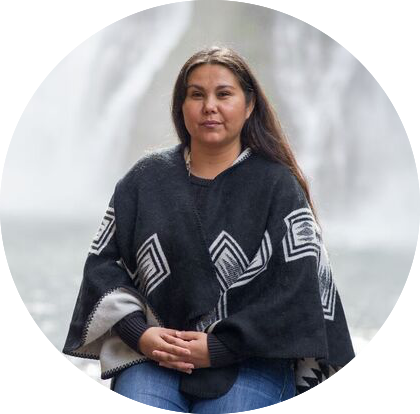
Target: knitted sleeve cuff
[
  {"x": 131, "y": 328},
  {"x": 219, "y": 355}
]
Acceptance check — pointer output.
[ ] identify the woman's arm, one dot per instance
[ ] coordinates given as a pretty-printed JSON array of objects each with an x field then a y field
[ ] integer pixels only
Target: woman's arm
[
  {"x": 220, "y": 355},
  {"x": 131, "y": 328}
]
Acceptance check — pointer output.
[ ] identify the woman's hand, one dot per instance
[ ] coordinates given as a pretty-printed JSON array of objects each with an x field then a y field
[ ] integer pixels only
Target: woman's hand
[
  {"x": 195, "y": 342},
  {"x": 154, "y": 339}
]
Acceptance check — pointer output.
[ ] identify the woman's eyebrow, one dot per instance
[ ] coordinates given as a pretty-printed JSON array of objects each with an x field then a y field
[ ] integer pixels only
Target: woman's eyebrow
[{"x": 217, "y": 87}]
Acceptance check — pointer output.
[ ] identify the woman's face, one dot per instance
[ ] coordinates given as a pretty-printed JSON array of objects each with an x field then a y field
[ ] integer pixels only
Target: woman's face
[{"x": 214, "y": 108}]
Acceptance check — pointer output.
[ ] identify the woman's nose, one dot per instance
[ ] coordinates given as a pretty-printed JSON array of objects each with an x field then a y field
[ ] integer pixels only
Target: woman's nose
[{"x": 210, "y": 105}]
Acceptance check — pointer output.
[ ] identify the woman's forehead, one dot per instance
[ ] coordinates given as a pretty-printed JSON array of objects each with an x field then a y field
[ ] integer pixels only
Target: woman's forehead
[{"x": 212, "y": 75}]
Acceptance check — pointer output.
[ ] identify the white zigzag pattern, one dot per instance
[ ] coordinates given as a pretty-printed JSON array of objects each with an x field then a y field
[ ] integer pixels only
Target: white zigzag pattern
[
  {"x": 308, "y": 372},
  {"x": 303, "y": 239},
  {"x": 104, "y": 233},
  {"x": 152, "y": 266},
  {"x": 233, "y": 269}
]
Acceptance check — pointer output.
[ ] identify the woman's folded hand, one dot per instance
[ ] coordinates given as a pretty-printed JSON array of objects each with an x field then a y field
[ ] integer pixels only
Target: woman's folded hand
[
  {"x": 195, "y": 342},
  {"x": 153, "y": 345},
  {"x": 180, "y": 350}
]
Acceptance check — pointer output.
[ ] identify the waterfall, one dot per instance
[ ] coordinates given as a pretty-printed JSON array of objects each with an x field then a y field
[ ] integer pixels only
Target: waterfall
[
  {"x": 348, "y": 139},
  {"x": 68, "y": 149}
]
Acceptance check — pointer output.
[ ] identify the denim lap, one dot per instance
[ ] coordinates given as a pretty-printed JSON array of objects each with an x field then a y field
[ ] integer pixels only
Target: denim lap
[
  {"x": 259, "y": 384},
  {"x": 150, "y": 384}
]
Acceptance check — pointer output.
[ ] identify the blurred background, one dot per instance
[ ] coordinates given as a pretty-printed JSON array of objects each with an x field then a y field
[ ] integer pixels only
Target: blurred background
[{"x": 108, "y": 102}]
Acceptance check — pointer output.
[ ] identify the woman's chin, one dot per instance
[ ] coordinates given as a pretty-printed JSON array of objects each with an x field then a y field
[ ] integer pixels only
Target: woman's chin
[{"x": 212, "y": 140}]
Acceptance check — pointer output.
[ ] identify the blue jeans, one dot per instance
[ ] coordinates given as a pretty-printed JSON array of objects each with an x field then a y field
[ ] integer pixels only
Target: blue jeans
[{"x": 258, "y": 385}]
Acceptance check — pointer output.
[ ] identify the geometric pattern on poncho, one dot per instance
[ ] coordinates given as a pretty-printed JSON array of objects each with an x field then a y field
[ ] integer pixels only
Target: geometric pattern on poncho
[
  {"x": 233, "y": 269},
  {"x": 309, "y": 372},
  {"x": 104, "y": 233},
  {"x": 152, "y": 266},
  {"x": 303, "y": 238}
]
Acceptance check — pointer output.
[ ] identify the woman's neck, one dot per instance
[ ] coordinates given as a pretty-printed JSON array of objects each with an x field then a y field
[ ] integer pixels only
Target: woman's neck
[{"x": 208, "y": 162}]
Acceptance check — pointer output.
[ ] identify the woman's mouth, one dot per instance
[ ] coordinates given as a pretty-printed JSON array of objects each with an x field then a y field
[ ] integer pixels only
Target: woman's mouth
[{"x": 211, "y": 124}]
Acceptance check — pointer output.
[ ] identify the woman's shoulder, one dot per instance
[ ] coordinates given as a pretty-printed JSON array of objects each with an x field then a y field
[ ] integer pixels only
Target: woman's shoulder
[
  {"x": 280, "y": 177},
  {"x": 276, "y": 171},
  {"x": 151, "y": 162}
]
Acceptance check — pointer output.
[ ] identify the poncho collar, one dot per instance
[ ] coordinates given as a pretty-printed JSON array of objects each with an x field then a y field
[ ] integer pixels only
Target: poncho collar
[{"x": 245, "y": 153}]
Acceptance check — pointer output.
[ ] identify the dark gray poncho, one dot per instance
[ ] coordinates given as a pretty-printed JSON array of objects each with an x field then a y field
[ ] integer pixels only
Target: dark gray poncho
[{"x": 252, "y": 270}]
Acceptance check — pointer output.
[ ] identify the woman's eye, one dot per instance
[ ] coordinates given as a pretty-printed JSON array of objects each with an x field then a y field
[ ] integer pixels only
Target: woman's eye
[{"x": 198, "y": 94}]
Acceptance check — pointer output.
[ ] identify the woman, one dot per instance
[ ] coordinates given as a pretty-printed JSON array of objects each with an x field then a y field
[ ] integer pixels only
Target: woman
[{"x": 208, "y": 287}]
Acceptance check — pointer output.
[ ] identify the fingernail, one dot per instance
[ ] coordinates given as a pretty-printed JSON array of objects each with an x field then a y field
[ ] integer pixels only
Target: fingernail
[{"x": 177, "y": 333}]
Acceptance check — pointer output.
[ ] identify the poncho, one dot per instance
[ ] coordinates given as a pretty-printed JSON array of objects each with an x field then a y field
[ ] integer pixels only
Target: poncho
[{"x": 252, "y": 269}]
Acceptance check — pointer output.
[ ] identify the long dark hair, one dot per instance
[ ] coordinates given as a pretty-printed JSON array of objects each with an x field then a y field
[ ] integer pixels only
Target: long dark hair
[{"x": 262, "y": 131}]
